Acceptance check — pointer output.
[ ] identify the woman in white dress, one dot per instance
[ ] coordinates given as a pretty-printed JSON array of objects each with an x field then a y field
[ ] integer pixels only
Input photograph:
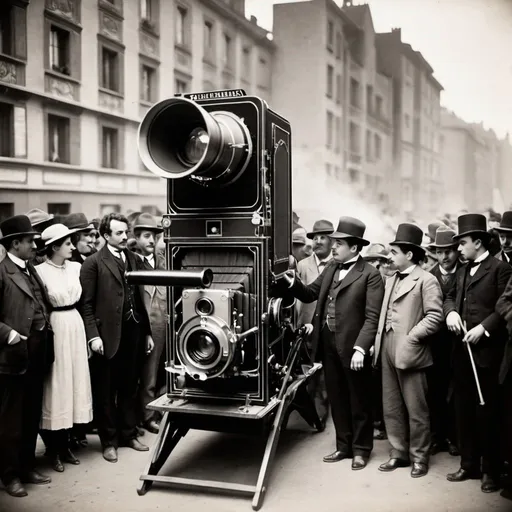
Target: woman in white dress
[{"x": 67, "y": 389}]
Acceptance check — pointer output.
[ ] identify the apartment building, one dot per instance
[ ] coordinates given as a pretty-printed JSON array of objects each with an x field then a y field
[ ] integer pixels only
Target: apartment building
[
  {"x": 416, "y": 178},
  {"x": 77, "y": 76}
]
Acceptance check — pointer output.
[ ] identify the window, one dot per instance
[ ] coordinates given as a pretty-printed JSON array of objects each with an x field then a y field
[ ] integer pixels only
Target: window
[
  {"x": 378, "y": 106},
  {"x": 330, "y": 78},
  {"x": 110, "y": 70},
  {"x": 339, "y": 45},
  {"x": 58, "y": 139},
  {"x": 110, "y": 148},
  {"x": 59, "y": 208},
  {"x": 354, "y": 92},
  {"x": 6, "y": 26},
  {"x": 226, "y": 51},
  {"x": 407, "y": 120},
  {"x": 145, "y": 10},
  {"x": 329, "y": 129},
  {"x": 208, "y": 41},
  {"x": 369, "y": 98},
  {"x": 354, "y": 138},
  {"x": 330, "y": 35},
  {"x": 180, "y": 27},
  {"x": 246, "y": 62},
  {"x": 339, "y": 89},
  {"x": 180, "y": 86},
  {"x": 368, "y": 146},
  {"x": 6, "y": 211},
  {"x": 378, "y": 146},
  {"x": 105, "y": 209},
  {"x": 6, "y": 129},
  {"x": 59, "y": 50},
  {"x": 148, "y": 84},
  {"x": 337, "y": 140}
]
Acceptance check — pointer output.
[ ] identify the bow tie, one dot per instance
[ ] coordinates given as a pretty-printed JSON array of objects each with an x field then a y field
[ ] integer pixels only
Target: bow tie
[
  {"x": 345, "y": 266},
  {"x": 401, "y": 275},
  {"x": 473, "y": 264}
]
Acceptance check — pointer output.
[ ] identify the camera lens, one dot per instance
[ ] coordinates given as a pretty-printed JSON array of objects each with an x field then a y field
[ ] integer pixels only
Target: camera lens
[
  {"x": 195, "y": 146},
  {"x": 204, "y": 306},
  {"x": 203, "y": 347}
]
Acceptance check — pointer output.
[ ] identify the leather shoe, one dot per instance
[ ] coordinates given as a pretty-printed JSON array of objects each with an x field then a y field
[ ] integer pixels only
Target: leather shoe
[
  {"x": 140, "y": 432},
  {"x": 34, "y": 477},
  {"x": 453, "y": 450},
  {"x": 15, "y": 488},
  {"x": 506, "y": 493},
  {"x": 56, "y": 464},
  {"x": 69, "y": 457},
  {"x": 489, "y": 484},
  {"x": 336, "y": 456},
  {"x": 393, "y": 464},
  {"x": 419, "y": 469},
  {"x": 110, "y": 454},
  {"x": 152, "y": 426},
  {"x": 462, "y": 475},
  {"x": 359, "y": 462},
  {"x": 438, "y": 448},
  {"x": 135, "y": 444}
]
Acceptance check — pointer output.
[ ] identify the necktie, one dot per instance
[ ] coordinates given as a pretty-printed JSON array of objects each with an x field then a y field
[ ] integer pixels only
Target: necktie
[{"x": 23, "y": 269}]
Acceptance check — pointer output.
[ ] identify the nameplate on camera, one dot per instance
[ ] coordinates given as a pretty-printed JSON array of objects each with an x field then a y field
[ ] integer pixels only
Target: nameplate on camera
[{"x": 215, "y": 95}]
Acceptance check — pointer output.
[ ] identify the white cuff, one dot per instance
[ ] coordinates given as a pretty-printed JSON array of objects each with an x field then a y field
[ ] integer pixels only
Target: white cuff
[
  {"x": 361, "y": 350},
  {"x": 12, "y": 335}
]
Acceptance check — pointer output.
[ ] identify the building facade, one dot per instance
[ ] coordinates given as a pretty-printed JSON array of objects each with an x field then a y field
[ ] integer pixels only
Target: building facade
[
  {"x": 416, "y": 179},
  {"x": 77, "y": 76}
]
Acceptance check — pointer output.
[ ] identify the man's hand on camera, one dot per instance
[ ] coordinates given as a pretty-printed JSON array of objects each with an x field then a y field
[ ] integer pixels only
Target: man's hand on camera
[
  {"x": 309, "y": 328},
  {"x": 97, "y": 346},
  {"x": 289, "y": 277},
  {"x": 150, "y": 344}
]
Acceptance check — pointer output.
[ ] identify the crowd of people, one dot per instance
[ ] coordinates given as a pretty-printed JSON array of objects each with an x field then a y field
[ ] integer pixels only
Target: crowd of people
[
  {"x": 415, "y": 342},
  {"x": 81, "y": 349}
]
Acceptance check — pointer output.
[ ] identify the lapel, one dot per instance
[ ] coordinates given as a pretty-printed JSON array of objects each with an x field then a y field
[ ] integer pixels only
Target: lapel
[
  {"x": 327, "y": 277},
  {"x": 17, "y": 278},
  {"x": 482, "y": 270},
  {"x": 408, "y": 283},
  {"x": 353, "y": 275},
  {"x": 108, "y": 259},
  {"x": 312, "y": 268},
  {"x": 136, "y": 264},
  {"x": 390, "y": 285}
]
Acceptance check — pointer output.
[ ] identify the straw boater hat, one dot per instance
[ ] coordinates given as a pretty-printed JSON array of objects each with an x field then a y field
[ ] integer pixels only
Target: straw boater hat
[
  {"x": 321, "y": 227},
  {"x": 409, "y": 234},
  {"x": 350, "y": 227},
  {"x": 472, "y": 224},
  {"x": 16, "y": 226},
  {"x": 444, "y": 239},
  {"x": 55, "y": 233},
  {"x": 505, "y": 224}
]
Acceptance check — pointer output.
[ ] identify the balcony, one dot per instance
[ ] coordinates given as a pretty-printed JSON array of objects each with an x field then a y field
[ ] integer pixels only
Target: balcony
[{"x": 12, "y": 70}]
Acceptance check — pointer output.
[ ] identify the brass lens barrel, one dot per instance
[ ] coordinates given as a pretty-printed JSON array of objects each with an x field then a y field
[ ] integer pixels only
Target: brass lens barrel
[{"x": 192, "y": 279}]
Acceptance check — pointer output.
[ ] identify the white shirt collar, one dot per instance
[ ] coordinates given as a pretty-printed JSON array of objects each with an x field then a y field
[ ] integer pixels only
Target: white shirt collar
[
  {"x": 482, "y": 258},
  {"x": 325, "y": 260},
  {"x": 445, "y": 273},
  {"x": 409, "y": 270},
  {"x": 18, "y": 261},
  {"x": 115, "y": 252},
  {"x": 353, "y": 260}
]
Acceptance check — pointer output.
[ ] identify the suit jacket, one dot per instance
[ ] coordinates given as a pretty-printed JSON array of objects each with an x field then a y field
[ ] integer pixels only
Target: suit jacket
[
  {"x": 357, "y": 305},
  {"x": 418, "y": 314},
  {"x": 503, "y": 257},
  {"x": 481, "y": 296},
  {"x": 308, "y": 272},
  {"x": 16, "y": 312},
  {"x": 504, "y": 309},
  {"x": 103, "y": 298}
]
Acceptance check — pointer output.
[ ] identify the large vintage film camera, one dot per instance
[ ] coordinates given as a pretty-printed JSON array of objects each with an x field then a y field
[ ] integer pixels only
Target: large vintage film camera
[{"x": 235, "y": 356}]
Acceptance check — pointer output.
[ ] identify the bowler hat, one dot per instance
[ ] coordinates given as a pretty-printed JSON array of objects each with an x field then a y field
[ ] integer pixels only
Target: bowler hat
[
  {"x": 471, "y": 223},
  {"x": 40, "y": 218},
  {"x": 78, "y": 222},
  {"x": 444, "y": 238},
  {"x": 19, "y": 225},
  {"x": 350, "y": 227},
  {"x": 147, "y": 222},
  {"x": 377, "y": 252},
  {"x": 433, "y": 227},
  {"x": 299, "y": 237},
  {"x": 408, "y": 234},
  {"x": 506, "y": 223},
  {"x": 321, "y": 227},
  {"x": 56, "y": 232}
]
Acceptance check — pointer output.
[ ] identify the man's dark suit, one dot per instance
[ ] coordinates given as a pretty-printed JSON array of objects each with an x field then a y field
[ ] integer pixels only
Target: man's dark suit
[
  {"x": 475, "y": 298},
  {"x": 23, "y": 367},
  {"x": 358, "y": 299},
  {"x": 114, "y": 375}
]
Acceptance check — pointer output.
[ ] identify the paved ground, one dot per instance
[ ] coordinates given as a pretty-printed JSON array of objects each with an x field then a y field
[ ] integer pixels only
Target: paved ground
[{"x": 300, "y": 481}]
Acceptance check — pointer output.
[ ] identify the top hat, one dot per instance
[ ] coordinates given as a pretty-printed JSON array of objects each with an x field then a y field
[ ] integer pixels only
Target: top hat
[
  {"x": 506, "y": 223},
  {"x": 470, "y": 223},
  {"x": 78, "y": 222},
  {"x": 444, "y": 238},
  {"x": 56, "y": 232},
  {"x": 321, "y": 227},
  {"x": 433, "y": 227},
  {"x": 38, "y": 218},
  {"x": 350, "y": 227},
  {"x": 147, "y": 222},
  {"x": 299, "y": 237},
  {"x": 377, "y": 252},
  {"x": 408, "y": 234},
  {"x": 19, "y": 225}
]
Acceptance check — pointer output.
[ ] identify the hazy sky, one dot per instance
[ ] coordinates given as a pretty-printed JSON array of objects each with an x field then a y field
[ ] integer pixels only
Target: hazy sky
[{"x": 467, "y": 42}]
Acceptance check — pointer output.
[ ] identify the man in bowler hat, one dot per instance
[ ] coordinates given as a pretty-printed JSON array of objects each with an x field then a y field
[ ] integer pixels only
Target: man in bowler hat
[
  {"x": 440, "y": 374},
  {"x": 505, "y": 233},
  {"x": 26, "y": 354},
  {"x": 349, "y": 295},
  {"x": 412, "y": 311},
  {"x": 470, "y": 314}
]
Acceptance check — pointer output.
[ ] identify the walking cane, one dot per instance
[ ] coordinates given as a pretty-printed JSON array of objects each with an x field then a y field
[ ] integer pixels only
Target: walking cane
[{"x": 470, "y": 352}]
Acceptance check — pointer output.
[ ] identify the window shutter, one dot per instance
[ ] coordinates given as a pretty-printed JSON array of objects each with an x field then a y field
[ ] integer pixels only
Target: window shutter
[
  {"x": 46, "y": 44},
  {"x": 120, "y": 76},
  {"x": 19, "y": 21},
  {"x": 76, "y": 54},
  {"x": 74, "y": 140},
  {"x": 120, "y": 148},
  {"x": 20, "y": 131}
]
